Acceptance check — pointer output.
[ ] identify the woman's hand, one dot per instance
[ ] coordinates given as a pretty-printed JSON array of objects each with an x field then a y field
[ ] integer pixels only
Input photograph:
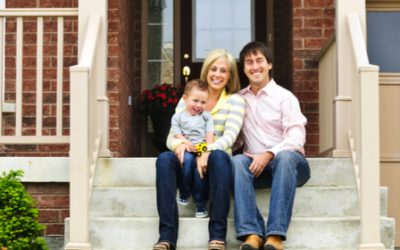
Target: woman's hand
[
  {"x": 180, "y": 152},
  {"x": 202, "y": 161}
]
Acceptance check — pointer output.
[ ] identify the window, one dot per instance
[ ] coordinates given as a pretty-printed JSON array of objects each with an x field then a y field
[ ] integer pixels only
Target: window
[
  {"x": 160, "y": 42},
  {"x": 221, "y": 24},
  {"x": 383, "y": 39}
]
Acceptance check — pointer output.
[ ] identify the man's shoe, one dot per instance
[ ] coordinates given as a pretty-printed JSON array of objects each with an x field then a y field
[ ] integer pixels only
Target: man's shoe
[
  {"x": 252, "y": 242},
  {"x": 274, "y": 242}
]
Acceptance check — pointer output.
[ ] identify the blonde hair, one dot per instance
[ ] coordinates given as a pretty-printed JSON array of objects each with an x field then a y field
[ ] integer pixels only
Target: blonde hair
[
  {"x": 233, "y": 84},
  {"x": 195, "y": 83}
]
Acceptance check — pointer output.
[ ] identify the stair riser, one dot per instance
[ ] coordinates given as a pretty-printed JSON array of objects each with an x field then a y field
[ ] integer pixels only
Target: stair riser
[
  {"x": 309, "y": 202},
  {"x": 140, "y": 172},
  {"x": 317, "y": 233}
]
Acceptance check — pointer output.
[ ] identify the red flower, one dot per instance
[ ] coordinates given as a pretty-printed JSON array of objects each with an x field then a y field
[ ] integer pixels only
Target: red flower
[{"x": 162, "y": 97}]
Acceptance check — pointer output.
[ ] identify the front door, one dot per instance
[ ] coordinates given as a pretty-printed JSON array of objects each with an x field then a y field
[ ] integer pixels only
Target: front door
[{"x": 229, "y": 24}]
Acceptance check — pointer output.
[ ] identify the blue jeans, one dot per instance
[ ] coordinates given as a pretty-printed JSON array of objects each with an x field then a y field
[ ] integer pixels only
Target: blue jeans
[
  {"x": 191, "y": 183},
  {"x": 219, "y": 177},
  {"x": 288, "y": 170}
]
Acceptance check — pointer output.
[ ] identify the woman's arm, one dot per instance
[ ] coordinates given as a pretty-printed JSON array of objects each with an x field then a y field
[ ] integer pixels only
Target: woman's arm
[
  {"x": 234, "y": 109},
  {"x": 173, "y": 142}
]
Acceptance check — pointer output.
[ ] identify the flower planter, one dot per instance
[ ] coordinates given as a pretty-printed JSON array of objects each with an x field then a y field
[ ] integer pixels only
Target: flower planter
[{"x": 161, "y": 121}]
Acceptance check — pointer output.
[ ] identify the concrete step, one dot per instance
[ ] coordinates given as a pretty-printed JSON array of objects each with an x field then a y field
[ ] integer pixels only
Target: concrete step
[
  {"x": 310, "y": 202},
  {"x": 124, "y": 214},
  {"x": 140, "y": 172},
  {"x": 304, "y": 233}
]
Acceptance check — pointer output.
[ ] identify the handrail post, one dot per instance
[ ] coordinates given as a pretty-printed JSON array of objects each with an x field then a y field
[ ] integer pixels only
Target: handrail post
[
  {"x": 79, "y": 160},
  {"x": 369, "y": 159},
  {"x": 86, "y": 8}
]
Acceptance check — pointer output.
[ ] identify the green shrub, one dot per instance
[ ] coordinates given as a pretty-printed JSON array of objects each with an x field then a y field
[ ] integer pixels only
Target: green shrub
[{"x": 19, "y": 226}]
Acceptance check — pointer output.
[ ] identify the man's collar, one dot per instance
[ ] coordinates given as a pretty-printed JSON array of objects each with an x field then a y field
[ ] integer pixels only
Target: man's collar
[{"x": 268, "y": 88}]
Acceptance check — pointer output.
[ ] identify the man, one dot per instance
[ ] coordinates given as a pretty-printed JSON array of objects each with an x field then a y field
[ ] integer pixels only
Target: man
[{"x": 273, "y": 136}]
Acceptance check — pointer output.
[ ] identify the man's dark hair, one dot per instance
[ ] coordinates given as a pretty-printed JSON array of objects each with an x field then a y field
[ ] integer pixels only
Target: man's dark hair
[{"x": 253, "y": 48}]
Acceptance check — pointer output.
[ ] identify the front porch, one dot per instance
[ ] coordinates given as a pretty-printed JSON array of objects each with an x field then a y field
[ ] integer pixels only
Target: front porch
[{"x": 94, "y": 85}]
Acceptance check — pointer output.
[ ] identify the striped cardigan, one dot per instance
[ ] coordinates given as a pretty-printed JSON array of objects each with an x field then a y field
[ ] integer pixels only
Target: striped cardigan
[{"x": 228, "y": 116}]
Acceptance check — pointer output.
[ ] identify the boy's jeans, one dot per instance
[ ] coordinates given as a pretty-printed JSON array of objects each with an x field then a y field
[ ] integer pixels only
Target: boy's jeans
[
  {"x": 191, "y": 183},
  {"x": 288, "y": 170}
]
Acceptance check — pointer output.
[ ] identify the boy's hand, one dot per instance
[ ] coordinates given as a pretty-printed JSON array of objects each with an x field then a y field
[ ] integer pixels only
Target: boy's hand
[{"x": 190, "y": 147}]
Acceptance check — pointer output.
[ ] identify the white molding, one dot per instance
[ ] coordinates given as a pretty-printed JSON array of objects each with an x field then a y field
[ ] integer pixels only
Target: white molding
[
  {"x": 35, "y": 12},
  {"x": 38, "y": 169}
]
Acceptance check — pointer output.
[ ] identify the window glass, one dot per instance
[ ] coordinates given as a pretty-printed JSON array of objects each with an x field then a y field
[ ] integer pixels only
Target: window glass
[
  {"x": 221, "y": 24},
  {"x": 160, "y": 42},
  {"x": 383, "y": 36}
]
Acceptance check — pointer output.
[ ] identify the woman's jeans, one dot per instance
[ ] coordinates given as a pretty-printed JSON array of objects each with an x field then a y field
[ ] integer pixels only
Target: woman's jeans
[
  {"x": 288, "y": 170},
  {"x": 219, "y": 175},
  {"x": 190, "y": 182}
]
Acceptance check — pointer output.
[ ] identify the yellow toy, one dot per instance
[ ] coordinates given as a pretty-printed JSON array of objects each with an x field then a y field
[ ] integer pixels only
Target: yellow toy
[{"x": 200, "y": 148}]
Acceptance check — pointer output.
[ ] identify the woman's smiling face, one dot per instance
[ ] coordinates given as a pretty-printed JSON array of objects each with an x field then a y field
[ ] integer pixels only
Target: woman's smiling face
[{"x": 218, "y": 74}]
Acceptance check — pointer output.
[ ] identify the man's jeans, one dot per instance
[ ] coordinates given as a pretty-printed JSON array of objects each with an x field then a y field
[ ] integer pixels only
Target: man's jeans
[
  {"x": 288, "y": 170},
  {"x": 219, "y": 176},
  {"x": 190, "y": 182}
]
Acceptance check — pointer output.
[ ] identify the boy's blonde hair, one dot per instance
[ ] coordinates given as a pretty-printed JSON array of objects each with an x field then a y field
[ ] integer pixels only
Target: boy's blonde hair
[{"x": 195, "y": 83}]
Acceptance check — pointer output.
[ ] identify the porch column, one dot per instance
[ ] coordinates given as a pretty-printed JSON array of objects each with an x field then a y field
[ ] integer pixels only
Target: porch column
[{"x": 343, "y": 94}]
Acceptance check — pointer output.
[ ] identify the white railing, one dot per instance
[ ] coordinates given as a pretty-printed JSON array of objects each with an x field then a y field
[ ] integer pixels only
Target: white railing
[
  {"x": 327, "y": 68},
  {"x": 17, "y": 133},
  {"x": 361, "y": 79},
  {"x": 364, "y": 134},
  {"x": 87, "y": 108}
]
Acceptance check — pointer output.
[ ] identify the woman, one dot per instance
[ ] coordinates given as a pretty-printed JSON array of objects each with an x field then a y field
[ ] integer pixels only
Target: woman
[{"x": 227, "y": 109}]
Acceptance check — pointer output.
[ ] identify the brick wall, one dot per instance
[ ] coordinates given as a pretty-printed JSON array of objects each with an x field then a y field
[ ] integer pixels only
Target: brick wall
[
  {"x": 124, "y": 62},
  {"x": 313, "y": 24},
  {"x": 52, "y": 199}
]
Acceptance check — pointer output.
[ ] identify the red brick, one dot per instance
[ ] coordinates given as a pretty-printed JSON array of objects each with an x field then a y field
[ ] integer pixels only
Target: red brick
[
  {"x": 54, "y": 229},
  {"x": 54, "y": 148},
  {"x": 314, "y": 23},
  {"x": 314, "y": 3},
  {"x": 308, "y": 12},
  {"x": 298, "y": 64},
  {"x": 49, "y": 216},
  {"x": 297, "y": 3},
  {"x": 53, "y": 201},
  {"x": 20, "y": 4},
  {"x": 307, "y": 33}
]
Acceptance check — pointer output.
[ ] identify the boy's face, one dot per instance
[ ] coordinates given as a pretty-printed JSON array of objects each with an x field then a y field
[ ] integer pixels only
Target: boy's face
[
  {"x": 195, "y": 101},
  {"x": 256, "y": 68}
]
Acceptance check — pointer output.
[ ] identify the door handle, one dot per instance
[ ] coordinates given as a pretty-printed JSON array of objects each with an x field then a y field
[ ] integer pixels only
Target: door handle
[{"x": 186, "y": 72}]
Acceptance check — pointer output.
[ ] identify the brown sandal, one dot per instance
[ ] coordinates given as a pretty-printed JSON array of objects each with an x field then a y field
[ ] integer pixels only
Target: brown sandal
[
  {"x": 163, "y": 245},
  {"x": 216, "y": 245}
]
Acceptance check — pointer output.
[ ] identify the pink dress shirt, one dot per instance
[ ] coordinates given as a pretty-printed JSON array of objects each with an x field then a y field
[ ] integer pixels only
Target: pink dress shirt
[{"x": 273, "y": 121}]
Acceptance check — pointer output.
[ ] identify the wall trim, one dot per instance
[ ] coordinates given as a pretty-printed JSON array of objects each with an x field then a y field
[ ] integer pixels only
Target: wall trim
[
  {"x": 38, "y": 169},
  {"x": 383, "y": 5}
]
